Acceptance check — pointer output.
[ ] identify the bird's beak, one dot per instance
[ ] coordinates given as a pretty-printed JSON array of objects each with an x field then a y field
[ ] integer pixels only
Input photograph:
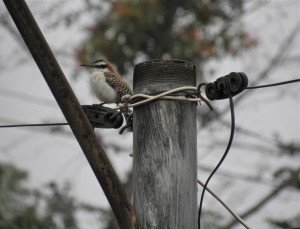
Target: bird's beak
[{"x": 86, "y": 65}]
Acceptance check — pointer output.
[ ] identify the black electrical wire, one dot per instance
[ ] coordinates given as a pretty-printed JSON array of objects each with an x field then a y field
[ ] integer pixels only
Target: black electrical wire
[
  {"x": 222, "y": 159},
  {"x": 274, "y": 84},
  {"x": 230, "y": 98},
  {"x": 34, "y": 125},
  {"x": 231, "y": 137}
]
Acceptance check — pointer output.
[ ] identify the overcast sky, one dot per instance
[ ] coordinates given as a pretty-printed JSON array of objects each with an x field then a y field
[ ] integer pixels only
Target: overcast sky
[{"x": 25, "y": 98}]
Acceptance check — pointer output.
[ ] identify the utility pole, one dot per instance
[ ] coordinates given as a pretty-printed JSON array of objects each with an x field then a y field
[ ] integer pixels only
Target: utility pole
[
  {"x": 73, "y": 113},
  {"x": 165, "y": 148}
]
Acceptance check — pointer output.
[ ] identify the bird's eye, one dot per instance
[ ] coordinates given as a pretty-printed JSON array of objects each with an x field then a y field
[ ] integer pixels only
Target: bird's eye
[{"x": 101, "y": 66}]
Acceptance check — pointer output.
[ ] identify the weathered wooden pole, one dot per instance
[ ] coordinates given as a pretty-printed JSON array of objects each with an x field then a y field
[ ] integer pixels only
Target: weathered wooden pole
[
  {"x": 73, "y": 113},
  {"x": 164, "y": 153}
]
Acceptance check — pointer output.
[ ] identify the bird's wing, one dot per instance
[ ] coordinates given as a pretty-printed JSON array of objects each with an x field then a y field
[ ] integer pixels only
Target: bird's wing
[{"x": 116, "y": 82}]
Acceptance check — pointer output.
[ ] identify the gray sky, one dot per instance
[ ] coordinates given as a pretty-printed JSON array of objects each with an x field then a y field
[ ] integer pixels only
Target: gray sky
[{"x": 25, "y": 98}]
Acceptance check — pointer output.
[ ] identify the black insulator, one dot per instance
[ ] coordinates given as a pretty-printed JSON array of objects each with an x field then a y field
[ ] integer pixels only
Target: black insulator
[
  {"x": 235, "y": 82},
  {"x": 103, "y": 117}
]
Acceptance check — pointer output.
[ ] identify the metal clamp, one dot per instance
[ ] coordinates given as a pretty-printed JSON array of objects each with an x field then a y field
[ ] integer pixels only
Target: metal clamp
[{"x": 103, "y": 117}]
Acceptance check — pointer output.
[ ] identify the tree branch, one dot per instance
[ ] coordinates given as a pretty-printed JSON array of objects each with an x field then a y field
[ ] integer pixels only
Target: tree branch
[{"x": 291, "y": 181}]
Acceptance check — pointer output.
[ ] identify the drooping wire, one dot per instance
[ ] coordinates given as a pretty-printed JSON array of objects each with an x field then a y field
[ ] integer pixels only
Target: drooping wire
[
  {"x": 241, "y": 221},
  {"x": 34, "y": 125},
  {"x": 231, "y": 135},
  {"x": 223, "y": 157},
  {"x": 274, "y": 84}
]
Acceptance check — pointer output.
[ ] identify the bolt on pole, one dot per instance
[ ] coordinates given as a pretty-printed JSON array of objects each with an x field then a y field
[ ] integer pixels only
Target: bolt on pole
[{"x": 164, "y": 148}]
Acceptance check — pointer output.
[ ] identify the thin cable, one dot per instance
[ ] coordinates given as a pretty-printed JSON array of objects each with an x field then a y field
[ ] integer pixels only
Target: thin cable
[
  {"x": 222, "y": 159},
  {"x": 164, "y": 95},
  {"x": 227, "y": 207},
  {"x": 200, "y": 96},
  {"x": 147, "y": 99},
  {"x": 151, "y": 98},
  {"x": 34, "y": 125},
  {"x": 274, "y": 84}
]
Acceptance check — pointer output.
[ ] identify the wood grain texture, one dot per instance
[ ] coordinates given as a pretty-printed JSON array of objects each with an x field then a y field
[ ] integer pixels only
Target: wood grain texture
[
  {"x": 73, "y": 113},
  {"x": 165, "y": 158}
]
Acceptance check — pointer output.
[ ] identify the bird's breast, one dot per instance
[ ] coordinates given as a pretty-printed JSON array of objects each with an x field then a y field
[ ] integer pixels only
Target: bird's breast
[{"x": 102, "y": 89}]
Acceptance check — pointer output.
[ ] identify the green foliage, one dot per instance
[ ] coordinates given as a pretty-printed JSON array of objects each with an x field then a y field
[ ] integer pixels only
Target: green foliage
[
  {"x": 12, "y": 193},
  {"x": 61, "y": 205},
  {"x": 195, "y": 31},
  {"x": 23, "y": 208}
]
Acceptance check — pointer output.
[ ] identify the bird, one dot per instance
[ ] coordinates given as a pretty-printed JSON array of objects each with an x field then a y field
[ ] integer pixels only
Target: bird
[{"x": 107, "y": 83}]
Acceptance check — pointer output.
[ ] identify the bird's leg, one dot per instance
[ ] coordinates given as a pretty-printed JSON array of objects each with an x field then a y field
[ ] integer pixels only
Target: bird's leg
[{"x": 98, "y": 104}]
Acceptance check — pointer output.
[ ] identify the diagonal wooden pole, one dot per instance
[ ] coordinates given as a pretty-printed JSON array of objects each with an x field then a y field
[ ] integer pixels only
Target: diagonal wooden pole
[{"x": 73, "y": 113}]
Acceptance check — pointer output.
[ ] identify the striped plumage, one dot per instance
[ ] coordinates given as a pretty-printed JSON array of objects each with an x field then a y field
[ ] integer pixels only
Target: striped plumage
[{"x": 107, "y": 84}]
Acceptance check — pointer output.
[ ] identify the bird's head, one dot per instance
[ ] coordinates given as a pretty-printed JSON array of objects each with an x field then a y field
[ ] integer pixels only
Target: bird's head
[{"x": 100, "y": 65}]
